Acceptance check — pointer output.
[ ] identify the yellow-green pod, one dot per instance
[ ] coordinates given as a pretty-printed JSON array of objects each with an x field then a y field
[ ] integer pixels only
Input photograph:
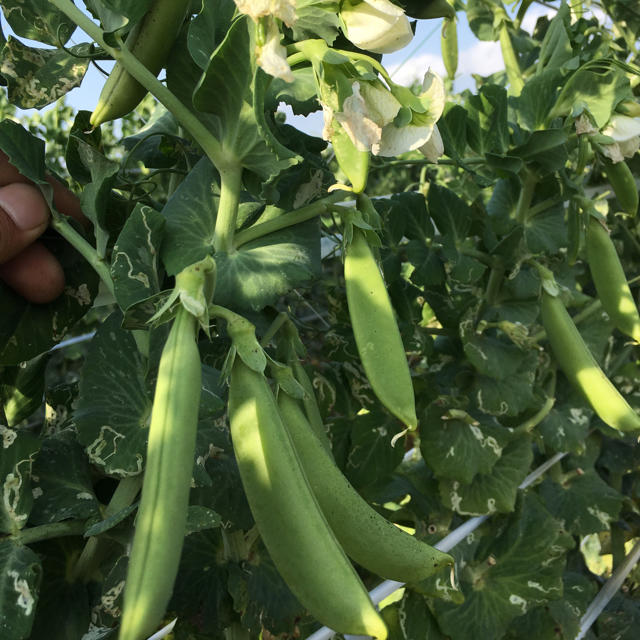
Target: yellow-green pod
[
  {"x": 150, "y": 42},
  {"x": 354, "y": 163},
  {"x": 161, "y": 520},
  {"x": 582, "y": 370},
  {"x": 610, "y": 280},
  {"x": 449, "y": 46},
  {"x": 376, "y": 332},
  {"x": 623, "y": 184},
  {"x": 366, "y": 536},
  {"x": 296, "y": 534}
]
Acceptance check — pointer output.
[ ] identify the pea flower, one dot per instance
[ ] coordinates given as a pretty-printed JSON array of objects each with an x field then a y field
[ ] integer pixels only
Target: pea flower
[
  {"x": 271, "y": 56},
  {"x": 375, "y": 25},
  {"x": 284, "y": 10},
  {"x": 433, "y": 148},
  {"x": 625, "y": 131}
]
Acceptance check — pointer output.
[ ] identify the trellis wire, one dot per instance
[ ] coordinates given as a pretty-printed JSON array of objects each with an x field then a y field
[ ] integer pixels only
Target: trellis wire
[
  {"x": 609, "y": 589},
  {"x": 386, "y": 588}
]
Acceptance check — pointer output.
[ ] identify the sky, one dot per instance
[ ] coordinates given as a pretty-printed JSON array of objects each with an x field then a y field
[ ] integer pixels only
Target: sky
[{"x": 405, "y": 66}]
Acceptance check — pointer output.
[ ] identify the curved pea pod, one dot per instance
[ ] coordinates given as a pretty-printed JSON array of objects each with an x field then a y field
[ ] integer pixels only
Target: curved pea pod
[
  {"x": 582, "y": 370},
  {"x": 150, "y": 42},
  {"x": 366, "y": 536},
  {"x": 296, "y": 534},
  {"x": 161, "y": 519},
  {"x": 623, "y": 185},
  {"x": 610, "y": 280},
  {"x": 574, "y": 232},
  {"x": 353, "y": 162},
  {"x": 449, "y": 46},
  {"x": 376, "y": 332}
]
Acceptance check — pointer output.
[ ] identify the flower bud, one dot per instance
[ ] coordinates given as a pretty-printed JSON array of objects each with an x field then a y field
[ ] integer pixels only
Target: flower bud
[{"x": 378, "y": 26}]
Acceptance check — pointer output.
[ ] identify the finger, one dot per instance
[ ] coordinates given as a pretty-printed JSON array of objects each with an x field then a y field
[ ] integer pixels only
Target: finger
[
  {"x": 64, "y": 200},
  {"x": 24, "y": 215},
  {"x": 35, "y": 274}
]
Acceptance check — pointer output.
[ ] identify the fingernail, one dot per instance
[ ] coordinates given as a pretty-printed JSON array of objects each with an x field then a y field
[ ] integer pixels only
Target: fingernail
[{"x": 25, "y": 205}]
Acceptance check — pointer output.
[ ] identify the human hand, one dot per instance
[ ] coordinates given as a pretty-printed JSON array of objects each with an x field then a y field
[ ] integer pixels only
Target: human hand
[{"x": 26, "y": 265}]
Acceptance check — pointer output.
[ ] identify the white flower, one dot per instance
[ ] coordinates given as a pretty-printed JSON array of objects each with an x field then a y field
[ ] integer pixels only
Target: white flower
[
  {"x": 271, "y": 57},
  {"x": 375, "y": 25},
  {"x": 626, "y": 133},
  {"x": 284, "y": 10},
  {"x": 433, "y": 148}
]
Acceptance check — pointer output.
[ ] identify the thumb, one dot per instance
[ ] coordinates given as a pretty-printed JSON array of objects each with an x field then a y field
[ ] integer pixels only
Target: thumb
[{"x": 24, "y": 215}]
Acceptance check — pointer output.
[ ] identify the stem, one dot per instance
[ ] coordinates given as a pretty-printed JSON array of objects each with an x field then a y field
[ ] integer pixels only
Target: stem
[
  {"x": 493, "y": 286},
  {"x": 52, "y": 530},
  {"x": 543, "y": 206},
  {"x": 93, "y": 550},
  {"x": 276, "y": 325},
  {"x": 289, "y": 219},
  {"x": 526, "y": 195},
  {"x": 133, "y": 66},
  {"x": 531, "y": 423},
  {"x": 60, "y": 224},
  {"x": 230, "y": 184}
]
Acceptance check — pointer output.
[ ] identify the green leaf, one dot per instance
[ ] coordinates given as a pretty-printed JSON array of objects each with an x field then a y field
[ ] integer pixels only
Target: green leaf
[
  {"x": 229, "y": 67},
  {"x": 510, "y": 396},
  {"x": 81, "y": 131},
  {"x": 19, "y": 450},
  {"x": 488, "y": 112},
  {"x": 537, "y": 98},
  {"x": 566, "y": 426},
  {"x": 37, "y": 77},
  {"x": 458, "y": 450},
  {"x": 190, "y": 216},
  {"x": 585, "y": 503},
  {"x": 491, "y": 357},
  {"x": 481, "y": 21},
  {"x": 556, "y": 46},
  {"x": 201, "y": 518},
  {"x": 208, "y": 29},
  {"x": 134, "y": 260},
  {"x": 371, "y": 456},
  {"x": 113, "y": 408},
  {"x": 316, "y": 19},
  {"x": 520, "y": 569},
  {"x": 491, "y": 492},
  {"x": 22, "y": 388},
  {"x": 20, "y": 576},
  {"x": 262, "y": 270},
  {"x": 451, "y": 215},
  {"x": 62, "y": 484},
  {"x": 38, "y": 20},
  {"x": 25, "y": 151},
  {"x": 410, "y": 619}
]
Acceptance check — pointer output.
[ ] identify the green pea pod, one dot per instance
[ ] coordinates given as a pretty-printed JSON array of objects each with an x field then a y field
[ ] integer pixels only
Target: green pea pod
[
  {"x": 161, "y": 519},
  {"x": 376, "y": 332},
  {"x": 582, "y": 370},
  {"x": 610, "y": 280},
  {"x": 584, "y": 151},
  {"x": 287, "y": 515},
  {"x": 512, "y": 66},
  {"x": 449, "y": 46},
  {"x": 366, "y": 536},
  {"x": 150, "y": 42},
  {"x": 623, "y": 185},
  {"x": 354, "y": 163}
]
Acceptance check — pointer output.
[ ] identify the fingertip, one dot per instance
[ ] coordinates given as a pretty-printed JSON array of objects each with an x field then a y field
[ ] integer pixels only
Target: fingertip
[{"x": 35, "y": 274}]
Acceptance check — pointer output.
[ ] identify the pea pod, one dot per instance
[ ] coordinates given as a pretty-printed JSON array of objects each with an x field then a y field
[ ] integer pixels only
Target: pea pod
[
  {"x": 449, "y": 46},
  {"x": 376, "y": 332},
  {"x": 581, "y": 368},
  {"x": 610, "y": 280},
  {"x": 150, "y": 42},
  {"x": 353, "y": 162},
  {"x": 366, "y": 536},
  {"x": 623, "y": 184},
  {"x": 291, "y": 524},
  {"x": 161, "y": 520}
]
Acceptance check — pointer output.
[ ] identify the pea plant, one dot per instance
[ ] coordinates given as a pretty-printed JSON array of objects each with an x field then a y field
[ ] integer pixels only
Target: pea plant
[{"x": 380, "y": 381}]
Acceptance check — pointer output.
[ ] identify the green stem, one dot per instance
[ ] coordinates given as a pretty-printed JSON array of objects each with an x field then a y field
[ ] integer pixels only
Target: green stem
[
  {"x": 493, "y": 286},
  {"x": 52, "y": 530},
  {"x": 94, "y": 549},
  {"x": 526, "y": 195},
  {"x": 133, "y": 66},
  {"x": 230, "y": 185},
  {"x": 543, "y": 206},
  {"x": 276, "y": 325},
  {"x": 531, "y": 423},
  {"x": 62, "y": 226},
  {"x": 297, "y": 216}
]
